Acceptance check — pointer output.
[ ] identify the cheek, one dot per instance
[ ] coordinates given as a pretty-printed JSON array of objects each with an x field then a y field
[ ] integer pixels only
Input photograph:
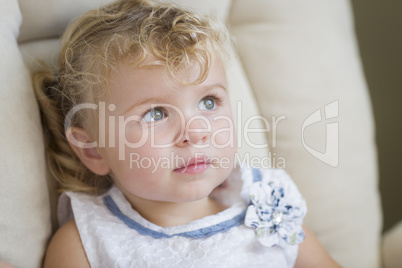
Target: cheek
[
  {"x": 139, "y": 181},
  {"x": 223, "y": 133},
  {"x": 161, "y": 135},
  {"x": 139, "y": 164},
  {"x": 134, "y": 136}
]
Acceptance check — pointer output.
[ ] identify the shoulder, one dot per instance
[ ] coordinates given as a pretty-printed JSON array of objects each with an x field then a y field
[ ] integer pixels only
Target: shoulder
[
  {"x": 313, "y": 254},
  {"x": 65, "y": 248}
]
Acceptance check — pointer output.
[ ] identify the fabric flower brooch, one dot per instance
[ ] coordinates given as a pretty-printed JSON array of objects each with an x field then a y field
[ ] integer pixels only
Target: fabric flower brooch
[{"x": 276, "y": 211}]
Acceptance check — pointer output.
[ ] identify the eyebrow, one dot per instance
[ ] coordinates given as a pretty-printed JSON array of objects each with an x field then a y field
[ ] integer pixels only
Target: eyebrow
[
  {"x": 216, "y": 85},
  {"x": 161, "y": 99}
]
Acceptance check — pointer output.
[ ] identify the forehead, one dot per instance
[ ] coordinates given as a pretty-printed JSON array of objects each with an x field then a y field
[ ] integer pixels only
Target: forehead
[{"x": 128, "y": 83}]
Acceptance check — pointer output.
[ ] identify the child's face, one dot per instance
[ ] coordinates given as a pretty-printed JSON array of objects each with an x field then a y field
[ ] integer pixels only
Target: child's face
[{"x": 187, "y": 123}]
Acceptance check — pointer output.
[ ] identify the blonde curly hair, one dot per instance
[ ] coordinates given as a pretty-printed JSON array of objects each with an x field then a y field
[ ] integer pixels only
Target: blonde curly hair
[{"x": 92, "y": 46}]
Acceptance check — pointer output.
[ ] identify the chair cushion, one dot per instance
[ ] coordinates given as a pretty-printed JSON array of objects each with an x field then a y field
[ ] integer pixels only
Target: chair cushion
[{"x": 25, "y": 213}]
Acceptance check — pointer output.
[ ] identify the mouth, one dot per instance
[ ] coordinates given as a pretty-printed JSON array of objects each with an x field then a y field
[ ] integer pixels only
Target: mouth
[{"x": 194, "y": 166}]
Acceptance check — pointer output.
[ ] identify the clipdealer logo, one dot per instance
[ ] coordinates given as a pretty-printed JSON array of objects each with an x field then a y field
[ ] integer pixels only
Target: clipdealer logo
[{"x": 331, "y": 154}]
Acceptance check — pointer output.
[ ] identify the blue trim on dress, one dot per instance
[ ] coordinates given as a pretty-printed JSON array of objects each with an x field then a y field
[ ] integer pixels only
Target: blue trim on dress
[
  {"x": 203, "y": 232},
  {"x": 256, "y": 175}
]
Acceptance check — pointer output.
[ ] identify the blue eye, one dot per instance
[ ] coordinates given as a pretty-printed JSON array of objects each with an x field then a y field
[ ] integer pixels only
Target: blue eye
[
  {"x": 154, "y": 115},
  {"x": 207, "y": 104}
]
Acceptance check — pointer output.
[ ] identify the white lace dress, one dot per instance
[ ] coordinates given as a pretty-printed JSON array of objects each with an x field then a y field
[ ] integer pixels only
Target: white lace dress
[{"x": 261, "y": 227}]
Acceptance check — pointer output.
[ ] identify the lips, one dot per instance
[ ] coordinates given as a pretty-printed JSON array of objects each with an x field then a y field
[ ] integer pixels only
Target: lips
[{"x": 194, "y": 165}]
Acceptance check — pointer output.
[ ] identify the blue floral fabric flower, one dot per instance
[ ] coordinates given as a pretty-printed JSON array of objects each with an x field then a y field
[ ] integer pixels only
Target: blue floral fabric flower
[{"x": 276, "y": 211}]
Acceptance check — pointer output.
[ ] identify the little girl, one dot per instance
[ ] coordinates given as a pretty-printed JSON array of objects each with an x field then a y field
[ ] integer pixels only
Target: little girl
[{"x": 141, "y": 142}]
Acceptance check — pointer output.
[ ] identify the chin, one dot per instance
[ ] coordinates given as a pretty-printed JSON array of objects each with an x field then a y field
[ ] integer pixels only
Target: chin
[{"x": 196, "y": 193}]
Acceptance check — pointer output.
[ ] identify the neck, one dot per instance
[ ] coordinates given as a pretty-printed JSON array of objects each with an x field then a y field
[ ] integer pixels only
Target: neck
[{"x": 167, "y": 214}]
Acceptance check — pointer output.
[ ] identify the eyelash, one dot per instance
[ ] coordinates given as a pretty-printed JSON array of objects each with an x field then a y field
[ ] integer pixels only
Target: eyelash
[{"x": 215, "y": 97}]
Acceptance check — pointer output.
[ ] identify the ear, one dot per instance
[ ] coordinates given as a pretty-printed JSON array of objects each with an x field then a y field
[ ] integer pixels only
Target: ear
[{"x": 84, "y": 147}]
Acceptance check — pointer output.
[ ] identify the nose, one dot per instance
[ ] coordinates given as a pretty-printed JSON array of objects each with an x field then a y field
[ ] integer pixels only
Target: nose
[{"x": 196, "y": 132}]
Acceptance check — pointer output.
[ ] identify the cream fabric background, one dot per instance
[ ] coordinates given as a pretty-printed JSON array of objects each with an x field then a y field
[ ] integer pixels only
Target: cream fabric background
[
  {"x": 297, "y": 58},
  {"x": 24, "y": 209}
]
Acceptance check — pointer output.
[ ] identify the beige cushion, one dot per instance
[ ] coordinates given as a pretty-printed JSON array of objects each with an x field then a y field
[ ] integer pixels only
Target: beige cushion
[
  {"x": 24, "y": 210},
  {"x": 58, "y": 14},
  {"x": 45, "y": 18}
]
